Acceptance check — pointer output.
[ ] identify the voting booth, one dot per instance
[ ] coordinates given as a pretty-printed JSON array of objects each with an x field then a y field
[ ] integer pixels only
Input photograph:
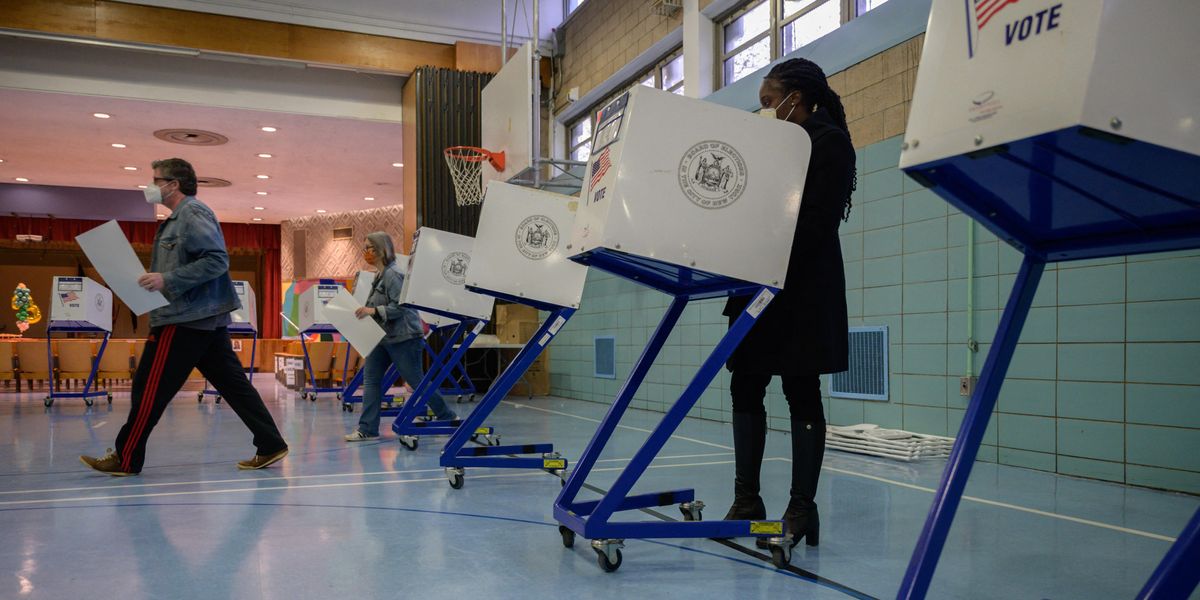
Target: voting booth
[
  {"x": 436, "y": 274},
  {"x": 458, "y": 383},
  {"x": 243, "y": 323},
  {"x": 698, "y": 201},
  {"x": 313, "y": 320},
  {"x": 79, "y": 305},
  {"x": 1068, "y": 128},
  {"x": 520, "y": 255}
]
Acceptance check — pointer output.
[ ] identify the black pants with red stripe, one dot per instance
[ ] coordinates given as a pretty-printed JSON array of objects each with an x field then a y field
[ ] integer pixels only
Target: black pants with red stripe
[{"x": 170, "y": 355}]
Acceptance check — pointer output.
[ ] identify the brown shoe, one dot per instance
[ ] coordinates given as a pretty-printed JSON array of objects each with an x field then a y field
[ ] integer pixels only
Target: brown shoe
[
  {"x": 260, "y": 461},
  {"x": 108, "y": 464}
]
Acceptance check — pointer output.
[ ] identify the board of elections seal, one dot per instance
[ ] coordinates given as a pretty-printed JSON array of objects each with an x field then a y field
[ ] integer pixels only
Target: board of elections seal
[
  {"x": 712, "y": 174},
  {"x": 537, "y": 237},
  {"x": 454, "y": 267}
]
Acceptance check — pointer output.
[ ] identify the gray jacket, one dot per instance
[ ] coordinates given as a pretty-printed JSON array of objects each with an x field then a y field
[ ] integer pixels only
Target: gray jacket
[
  {"x": 400, "y": 323},
  {"x": 189, "y": 251}
]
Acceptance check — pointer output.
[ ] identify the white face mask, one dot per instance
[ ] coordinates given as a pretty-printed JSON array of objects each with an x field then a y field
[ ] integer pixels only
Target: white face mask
[
  {"x": 153, "y": 194},
  {"x": 771, "y": 112}
]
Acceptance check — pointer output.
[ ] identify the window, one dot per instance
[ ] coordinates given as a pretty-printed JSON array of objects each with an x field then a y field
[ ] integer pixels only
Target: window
[
  {"x": 810, "y": 23},
  {"x": 747, "y": 41},
  {"x": 762, "y": 31},
  {"x": 671, "y": 75},
  {"x": 866, "y": 5},
  {"x": 571, "y": 5},
  {"x": 579, "y": 140}
]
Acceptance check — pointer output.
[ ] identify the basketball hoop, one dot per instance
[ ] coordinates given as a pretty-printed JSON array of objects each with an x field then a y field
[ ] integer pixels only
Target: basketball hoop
[{"x": 466, "y": 167}]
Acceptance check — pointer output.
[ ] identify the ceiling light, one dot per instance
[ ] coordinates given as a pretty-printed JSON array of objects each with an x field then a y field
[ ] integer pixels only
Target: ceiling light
[
  {"x": 256, "y": 219},
  {"x": 101, "y": 115},
  {"x": 260, "y": 208},
  {"x": 118, "y": 145},
  {"x": 141, "y": 187},
  {"x": 264, "y": 155},
  {"x": 129, "y": 168},
  {"x": 161, "y": 217},
  {"x": 22, "y": 180},
  {"x": 1, "y": 160},
  {"x": 397, "y": 164},
  {"x": 261, "y": 193},
  {"x": 263, "y": 176},
  {"x": 368, "y": 198},
  {"x": 320, "y": 211},
  {"x": 269, "y": 129}
]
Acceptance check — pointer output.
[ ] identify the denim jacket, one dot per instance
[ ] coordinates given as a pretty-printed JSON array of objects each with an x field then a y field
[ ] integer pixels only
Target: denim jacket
[
  {"x": 189, "y": 251},
  {"x": 400, "y": 323}
]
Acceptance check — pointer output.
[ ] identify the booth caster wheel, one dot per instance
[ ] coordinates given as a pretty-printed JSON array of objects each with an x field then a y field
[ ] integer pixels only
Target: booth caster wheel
[
  {"x": 48, "y": 401},
  {"x": 199, "y": 397},
  {"x": 347, "y": 407},
  {"x": 692, "y": 511},
  {"x": 456, "y": 476},
  {"x": 217, "y": 400},
  {"x": 781, "y": 551},
  {"x": 568, "y": 536},
  {"x": 608, "y": 554},
  {"x": 339, "y": 395},
  {"x": 110, "y": 398},
  {"x": 88, "y": 402},
  {"x": 409, "y": 442}
]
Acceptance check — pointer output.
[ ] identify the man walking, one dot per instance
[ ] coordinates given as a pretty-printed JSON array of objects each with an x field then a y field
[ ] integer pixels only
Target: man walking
[{"x": 189, "y": 265}]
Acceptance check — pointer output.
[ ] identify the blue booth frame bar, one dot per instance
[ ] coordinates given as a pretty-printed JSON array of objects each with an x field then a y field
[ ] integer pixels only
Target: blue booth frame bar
[
  {"x": 455, "y": 457},
  {"x": 458, "y": 374},
  {"x": 1071, "y": 194},
  {"x": 591, "y": 519},
  {"x": 75, "y": 327},
  {"x": 239, "y": 329},
  {"x": 406, "y": 425}
]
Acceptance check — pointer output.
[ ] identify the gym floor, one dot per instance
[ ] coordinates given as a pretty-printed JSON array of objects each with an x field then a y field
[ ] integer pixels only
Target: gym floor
[{"x": 338, "y": 520}]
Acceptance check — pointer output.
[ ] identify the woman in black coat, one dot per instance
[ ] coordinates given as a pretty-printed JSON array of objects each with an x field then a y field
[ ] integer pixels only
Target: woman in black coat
[{"x": 803, "y": 332}]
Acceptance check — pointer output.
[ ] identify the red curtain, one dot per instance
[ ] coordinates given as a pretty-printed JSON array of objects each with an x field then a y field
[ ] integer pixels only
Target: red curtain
[{"x": 264, "y": 238}]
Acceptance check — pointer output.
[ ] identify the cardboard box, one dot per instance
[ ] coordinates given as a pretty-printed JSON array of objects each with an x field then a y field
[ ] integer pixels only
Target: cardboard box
[
  {"x": 515, "y": 312},
  {"x": 516, "y": 332},
  {"x": 537, "y": 377}
]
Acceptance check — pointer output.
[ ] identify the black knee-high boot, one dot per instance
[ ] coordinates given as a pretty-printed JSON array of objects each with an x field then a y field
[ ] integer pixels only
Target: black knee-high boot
[
  {"x": 749, "y": 441},
  {"x": 800, "y": 519}
]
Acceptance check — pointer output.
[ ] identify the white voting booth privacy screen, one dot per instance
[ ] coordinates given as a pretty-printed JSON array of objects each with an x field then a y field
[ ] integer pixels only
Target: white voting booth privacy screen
[
  {"x": 521, "y": 246},
  {"x": 436, "y": 274},
  {"x": 81, "y": 302},
  {"x": 995, "y": 72},
  {"x": 247, "y": 315},
  {"x": 312, "y": 304},
  {"x": 694, "y": 184}
]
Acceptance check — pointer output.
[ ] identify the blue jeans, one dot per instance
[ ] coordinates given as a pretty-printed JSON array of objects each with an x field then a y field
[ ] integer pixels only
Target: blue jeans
[{"x": 406, "y": 356}]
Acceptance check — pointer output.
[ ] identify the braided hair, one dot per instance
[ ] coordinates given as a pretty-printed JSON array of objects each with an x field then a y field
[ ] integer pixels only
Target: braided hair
[{"x": 806, "y": 77}]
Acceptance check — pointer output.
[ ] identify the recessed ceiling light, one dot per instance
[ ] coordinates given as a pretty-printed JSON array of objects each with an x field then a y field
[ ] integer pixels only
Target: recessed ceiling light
[
  {"x": 101, "y": 115},
  {"x": 269, "y": 129},
  {"x": 256, "y": 219},
  {"x": 397, "y": 164},
  {"x": 368, "y": 198},
  {"x": 129, "y": 168},
  {"x": 161, "y": 217},
  {"x": 141, "y": 187},
  {"x": 264, "y": 155},
  {"x": 320, "y": 211},
  {"x": 263, "y": 176},
  {"x": 22, "y": 180},
  {"x": 260, "y": 208},
  {"x": 261, "y": 193},
  {"x": 1, "y": 160},
  {"x": 118, "y": 145}
]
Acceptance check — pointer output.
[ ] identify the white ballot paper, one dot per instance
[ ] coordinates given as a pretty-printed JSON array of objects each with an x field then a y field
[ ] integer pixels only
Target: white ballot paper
[
  {"x": 114, "y": 258},
  {"x": 363, "y": 334}
]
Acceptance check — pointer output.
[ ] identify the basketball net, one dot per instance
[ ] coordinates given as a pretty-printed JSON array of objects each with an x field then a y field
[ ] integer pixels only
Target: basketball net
[{"x": 466, "y": 170}]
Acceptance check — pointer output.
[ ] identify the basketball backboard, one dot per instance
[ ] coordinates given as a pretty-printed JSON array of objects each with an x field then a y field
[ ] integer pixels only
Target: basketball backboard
[{"x": 507, "y": 114}]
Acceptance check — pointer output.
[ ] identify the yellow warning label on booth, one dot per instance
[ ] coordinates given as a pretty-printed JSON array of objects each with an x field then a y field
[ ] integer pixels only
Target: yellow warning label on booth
[
  {"x": 766, "y": 528},
  {"x": 483, "y": 431},
  {"x": 554, "y": 463}
]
